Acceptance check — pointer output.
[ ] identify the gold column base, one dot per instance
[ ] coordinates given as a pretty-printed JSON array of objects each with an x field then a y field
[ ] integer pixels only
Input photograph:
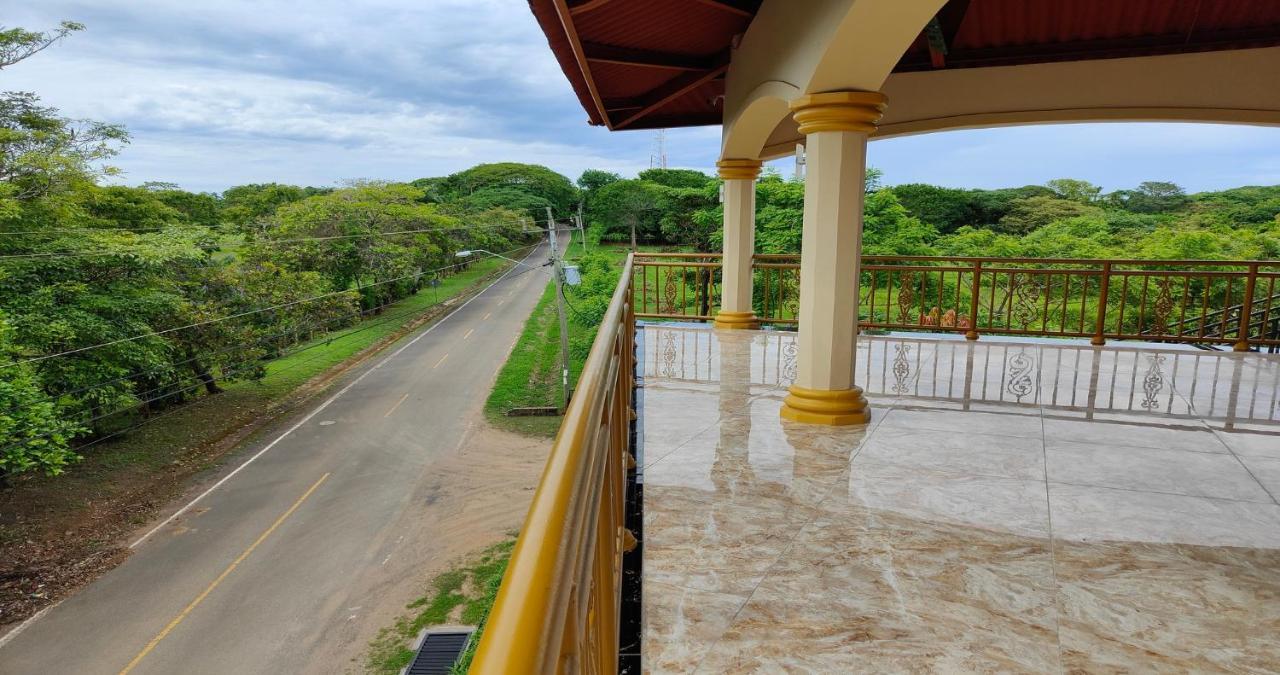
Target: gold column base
[
  {"x": 841, "y": 407},
  {"x": 736, "y": 320}
]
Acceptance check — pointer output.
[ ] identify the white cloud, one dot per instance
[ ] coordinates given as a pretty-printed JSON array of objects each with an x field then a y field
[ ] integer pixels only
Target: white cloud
[{"x": 318, "y": 91}]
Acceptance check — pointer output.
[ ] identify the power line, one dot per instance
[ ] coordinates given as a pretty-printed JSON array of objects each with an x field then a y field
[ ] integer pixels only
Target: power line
[
  {"x": 224, "y": 374},
  {"x": 316, "y": 342},
  {"x": 242, "y": 314},
  {"x": 75, "y": 254}
]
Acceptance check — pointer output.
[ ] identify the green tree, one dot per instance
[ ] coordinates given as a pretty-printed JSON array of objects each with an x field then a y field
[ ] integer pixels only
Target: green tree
[
  {"x": 889, "y": 229},
  {"x": 594, "y": 179},
  {"x": 628, "y": 210},
  {"x": 1027, "y": 215},
  {"x": 17, "y": 44},
  {"x": 975, "y": 242},
  {"x": 250, "y": 207},
  {"x": 1151, "y": 197},
  {"x": 947, "y": 209},
  {"x": 34, "y": 433},
  {"x": 1075, "y": 190},
  {"x": 532, "y": 179},
  {"x": 675, "y": 178},
  {"x": 779, "y": 214}
]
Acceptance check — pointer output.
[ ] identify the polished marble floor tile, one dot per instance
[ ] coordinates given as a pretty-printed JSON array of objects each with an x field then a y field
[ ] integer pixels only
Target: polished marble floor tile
[
  {"x": 1010, "y": 508},
  {"x": 992, "y": 503},
  {"x": 681, "y": 624},
  {"x": 724, "y": 547},
  {"x": 1199, "y": 474},
  {"x": 1264, "y": 444},
  {"x": 1266, "y": 470},
  {"x": 1092, "y": 514},
  {"x": 1013, "y": 422},
  {"x": 902, "y": 595},
  {"x": 973, "y": 453},
  {"x": 1154, "y": 607},
  {"x": 1134, "y": 430}
]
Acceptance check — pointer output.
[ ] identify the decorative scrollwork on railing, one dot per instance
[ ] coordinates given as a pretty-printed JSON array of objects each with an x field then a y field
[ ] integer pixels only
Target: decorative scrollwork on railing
[
  {"x": 1152, "y": 383},
  {"x": 906, "y": 296},
  {"x": 1021, "y": 383},
  {"x": 669, "y": 353},
  {"x": 789, "y": 351},
  {"x": 1162, "y": 308},
  {"x": 1027, "y": 291},
  {"x": 901, "y": 367},
  {"x": 669, "y": 293}
]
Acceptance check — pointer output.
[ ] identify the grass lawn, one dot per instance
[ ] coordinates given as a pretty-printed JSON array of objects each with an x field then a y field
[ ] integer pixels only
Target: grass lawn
[
  {"x": 530, "y": 377},
  {"x": 461, "y": 595}
]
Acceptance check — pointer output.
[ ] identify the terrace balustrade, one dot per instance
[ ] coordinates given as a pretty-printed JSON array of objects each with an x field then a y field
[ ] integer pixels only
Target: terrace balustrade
[{"x": 1181, "y": 301}]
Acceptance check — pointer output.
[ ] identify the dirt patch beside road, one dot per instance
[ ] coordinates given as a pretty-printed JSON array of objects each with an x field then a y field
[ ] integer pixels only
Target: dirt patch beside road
[{"x": 468, "y": 501}]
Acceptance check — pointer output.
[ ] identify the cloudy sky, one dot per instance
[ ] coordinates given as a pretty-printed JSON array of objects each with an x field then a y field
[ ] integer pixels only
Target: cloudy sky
[{"x": 316, "y": 92}]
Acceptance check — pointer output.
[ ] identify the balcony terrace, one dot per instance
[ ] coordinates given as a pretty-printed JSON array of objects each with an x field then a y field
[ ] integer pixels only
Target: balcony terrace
[
  {"x": 1013, "y": 505},
  {"x": 829, "y": 500}
]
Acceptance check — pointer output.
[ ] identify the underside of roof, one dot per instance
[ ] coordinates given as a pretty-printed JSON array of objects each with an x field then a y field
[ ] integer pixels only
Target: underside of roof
[{"x": 642, "y": 64}]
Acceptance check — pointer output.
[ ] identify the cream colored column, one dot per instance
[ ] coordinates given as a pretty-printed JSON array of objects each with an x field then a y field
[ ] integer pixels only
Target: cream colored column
[
  {"x": 739, "y": 177},
  {"x": 836, "y": 126}
]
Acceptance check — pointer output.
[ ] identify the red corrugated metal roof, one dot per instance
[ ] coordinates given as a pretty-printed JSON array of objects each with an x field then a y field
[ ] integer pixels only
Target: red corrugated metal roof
[{"x": 629, "y": 80}]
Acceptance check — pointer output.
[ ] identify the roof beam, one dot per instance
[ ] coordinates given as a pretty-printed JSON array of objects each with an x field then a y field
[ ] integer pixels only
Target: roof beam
[
  {"x": 745, "y": 8},
  {"x": 1148, "y": 45},
  {"x": 571, "y": 34},
  {"x": 674, "y": 88},
  {"x": 581, "y": 6},
  {"x": 642, "y": 57}
]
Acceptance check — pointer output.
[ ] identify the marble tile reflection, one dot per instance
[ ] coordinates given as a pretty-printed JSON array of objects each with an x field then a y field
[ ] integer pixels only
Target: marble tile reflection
[
  {"x": 1134, "y": 430},
  {"x": 1022, "y": 422},
  {"x": 1199, "y": 474},
  {"x": 973, "y": 453},
  {"x": 891, "y": 593},
  {"x": 1010, "y": 508},
  {"x": 1128, "y": 606},
  {"x": 681, "y": 624},
  {"x": 1091, "y": 514}
]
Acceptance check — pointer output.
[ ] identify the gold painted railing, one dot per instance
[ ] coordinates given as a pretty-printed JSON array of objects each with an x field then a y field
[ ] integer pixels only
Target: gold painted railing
[
  {"x": 1194, "y": 301},
  {"x": 557, "y": 610}
]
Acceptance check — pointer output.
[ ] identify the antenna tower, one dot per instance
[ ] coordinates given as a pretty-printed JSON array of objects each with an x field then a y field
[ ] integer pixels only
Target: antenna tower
[{"x": 658, "y": 158}]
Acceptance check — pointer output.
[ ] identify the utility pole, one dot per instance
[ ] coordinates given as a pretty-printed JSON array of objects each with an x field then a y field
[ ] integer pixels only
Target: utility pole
[
  {"x": 558, "y": 271},
  {"x": 582, "y": 228}
]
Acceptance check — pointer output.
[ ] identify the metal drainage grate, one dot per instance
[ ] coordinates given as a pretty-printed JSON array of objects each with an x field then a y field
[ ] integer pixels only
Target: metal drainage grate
[{"x": 438, "y": 652}]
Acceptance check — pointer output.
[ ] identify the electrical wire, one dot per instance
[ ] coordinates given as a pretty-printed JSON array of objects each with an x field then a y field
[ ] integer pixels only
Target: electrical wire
[
  {"x": 223, "y": 374},
  {"x": 316, "y": 342},
  {"x": 243, "y": 314},
  {"x": 262, "y": 242}
]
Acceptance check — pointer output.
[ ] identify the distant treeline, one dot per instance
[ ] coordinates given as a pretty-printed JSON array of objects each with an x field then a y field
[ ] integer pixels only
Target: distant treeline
[{"x": 1065, "y": 218}]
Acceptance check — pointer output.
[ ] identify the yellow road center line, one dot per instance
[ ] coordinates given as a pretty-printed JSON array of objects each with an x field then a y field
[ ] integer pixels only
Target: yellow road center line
[
  {"x": 486, "y": 316},
  {"x": 225, "y": 573},
  {"x": 442, "y": 358},
  {"x": 468, "y": 334},
  {"x": 397, "y": 405}
]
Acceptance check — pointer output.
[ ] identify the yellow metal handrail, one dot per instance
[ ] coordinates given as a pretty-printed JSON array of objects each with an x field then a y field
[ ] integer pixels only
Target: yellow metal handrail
[{"x": 558, "y": 607}]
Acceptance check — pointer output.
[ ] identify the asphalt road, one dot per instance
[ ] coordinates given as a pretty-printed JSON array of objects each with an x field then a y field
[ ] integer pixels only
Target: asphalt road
[{"x": 254, "y": 574}]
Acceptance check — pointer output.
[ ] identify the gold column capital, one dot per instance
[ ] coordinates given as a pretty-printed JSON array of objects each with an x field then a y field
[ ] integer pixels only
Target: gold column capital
[
  {"x": 739, "y": 169},
  {"x": 839, "y": 111}
]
